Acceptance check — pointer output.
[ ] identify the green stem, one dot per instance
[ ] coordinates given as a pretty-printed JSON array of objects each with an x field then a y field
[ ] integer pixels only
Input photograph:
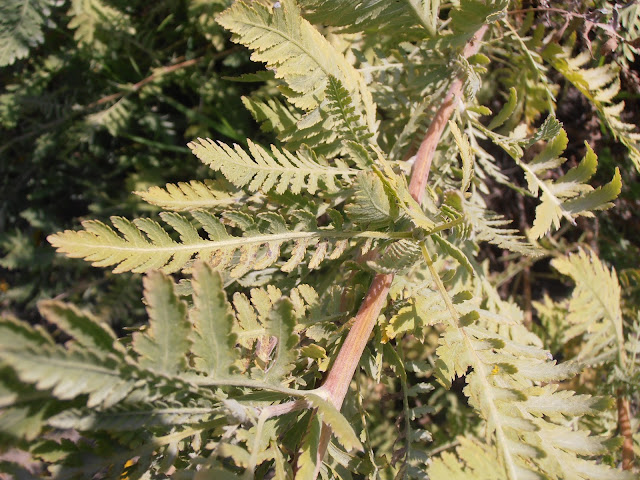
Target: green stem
[
  {"x": 405, "y": 406},
  {"x": 478, "y": 366},
  {"x": 243, "y": 383}
]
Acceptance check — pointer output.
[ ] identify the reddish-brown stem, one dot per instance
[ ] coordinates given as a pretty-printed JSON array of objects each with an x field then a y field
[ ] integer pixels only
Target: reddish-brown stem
[
  {"x": 341, "y": 373},
  {"x": 424, "y": 157},
  {"x": 339, "y": 378},
  {"x": 345, "y": 364},
  {"x": 624, "y": 424}
]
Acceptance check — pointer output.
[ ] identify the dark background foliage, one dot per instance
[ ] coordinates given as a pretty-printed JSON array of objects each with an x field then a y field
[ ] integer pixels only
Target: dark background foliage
[{"x": 103, "y": 106}]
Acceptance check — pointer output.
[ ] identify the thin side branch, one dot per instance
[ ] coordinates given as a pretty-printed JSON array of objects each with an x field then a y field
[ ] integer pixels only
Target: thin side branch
[
  {"x": 158, "y": 72},
  {"x": 114, "y": 96}
]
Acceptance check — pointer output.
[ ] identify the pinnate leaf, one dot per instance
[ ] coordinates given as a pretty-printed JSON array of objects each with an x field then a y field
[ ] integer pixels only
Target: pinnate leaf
[
  {"x": 164, "y": 345},
  {"x": 372, "y": 204},
  {"x": 80, "y": 325},
  {"x": 261, "y": 171},
  {"x": 190, "y": 196},
  {"x": 212, "y": 320},
  {"x": 293, "y": 48},
  {"x": 71, "y": 373},
  {"x": 308, "y": 464},
  {"x": 340, "y": 427},
  {"x": 281, "y": 324}
]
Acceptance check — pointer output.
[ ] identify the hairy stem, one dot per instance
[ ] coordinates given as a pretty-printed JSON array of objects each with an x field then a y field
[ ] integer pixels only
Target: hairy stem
[
  {"x": 339, "y": 377},
  {"x": 422, "y": 165},
  {"x": 341, "y": 373}
]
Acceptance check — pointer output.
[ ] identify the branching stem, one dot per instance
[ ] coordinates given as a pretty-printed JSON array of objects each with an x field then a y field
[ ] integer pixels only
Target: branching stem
[{"x": 340, "y": 375}]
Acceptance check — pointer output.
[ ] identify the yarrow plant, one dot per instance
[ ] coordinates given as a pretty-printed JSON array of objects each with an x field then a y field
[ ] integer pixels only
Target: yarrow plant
[{"x": 341, "y": 267}]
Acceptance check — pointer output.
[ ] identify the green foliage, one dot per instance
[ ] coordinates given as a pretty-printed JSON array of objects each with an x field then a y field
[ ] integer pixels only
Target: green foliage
[
  {"x": 164, "y": 345},
  {"x": 258, "y": 248},
  {"x": 98, "y": 386},
  {"x": 371, "y": 203},
  {"x": 93, "y": 113},
  {"x": 594, "y": 307},
  {"x": 600, "y": 85},
  {"x": 212, "y": 339},
  {"x": 244, "y": 363},
  {"x": 263, "y": 172},
  {"x": 593, "y": 316},
  {"x": 293, "y": 48},
  {"x": 568, "y": 197},
  {"x": 21, "y": 27},
  {"x": 194, "y": 195},
  {"x": 357, "y": 16}
]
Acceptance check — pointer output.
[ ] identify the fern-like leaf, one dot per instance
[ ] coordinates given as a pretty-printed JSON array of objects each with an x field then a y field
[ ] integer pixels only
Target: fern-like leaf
[
  {"x": 569, "y": 196},
  {"x": 83, "y": 327},
  {"x": 308, "y": 461},
  {"x": 350, "y": 124},
  {"x": 90, "y": 17},
  {"x": 272, "y": 115},
  {"x": 340, "y": 427},
  {"x": 506, "y": 111},
  {"x": 594, "y": 308},
  {"x": 15, "y": 334},
  {"x": 335, "y": 128},
  {"x": 281, "y": 326},
  {"x": 374, "y": 15},
  {"x": 126, "y": 418},
  {"x": 258, "y": 249},
  {"x": 600, "y": 85},
  {"x": 21, "y": 24},
  {"x": 70, "y": 373},
  {"x": 450, "y": 249},
  {"x": 507, "y": 383},
  {"x": 296, "y": 51},
  {"x": 420, "y": 309},
  {"x": 466, "y": 154},
  {"x": 523, "y": 423},
  {"x": 194, "y": 195},
  {"x": 284, "y": 171},
  {"x": 23, "y": 409},
  {"x": 164, "y": 345},
  {"x": 396, "y": 257},
  {"x": 471, "y": 459},
  {"x": 114, "y": 118},
  {"x": 491, "y": 227},
  {"x": 372, "y": 204},
  {"x": 212, "y": 320}
]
